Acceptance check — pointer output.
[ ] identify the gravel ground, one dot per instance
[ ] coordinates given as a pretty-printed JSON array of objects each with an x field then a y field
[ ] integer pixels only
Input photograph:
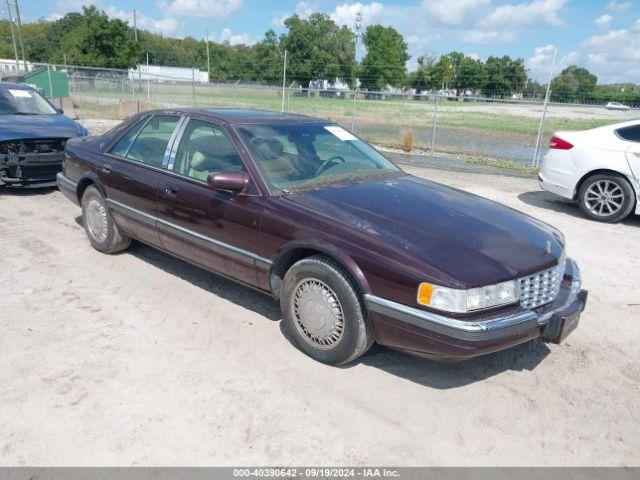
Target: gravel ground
[{"x": 142, "y": 359}]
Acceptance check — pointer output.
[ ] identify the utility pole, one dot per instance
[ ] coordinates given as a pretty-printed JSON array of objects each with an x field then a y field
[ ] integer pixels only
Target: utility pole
[
  {"x": 355, "y": 58},
  {"x": 13, "y": 36},
  {"x": 135, "y": 25},
  {"x": 24, "y": 58},
  {"x": 208, "y": 59},
  {"x": 284, "y": 78}
]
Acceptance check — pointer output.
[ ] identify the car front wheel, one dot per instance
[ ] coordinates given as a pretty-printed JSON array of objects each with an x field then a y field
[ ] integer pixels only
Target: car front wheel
[
  {"x": 100, "y": 227},
  {"x": 323, "y": 311},
  {"x": 606, "y": 197}
]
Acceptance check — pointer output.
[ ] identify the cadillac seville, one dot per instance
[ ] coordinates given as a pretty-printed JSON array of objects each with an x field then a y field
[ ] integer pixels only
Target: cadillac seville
[{"x": 355, "y": 250}]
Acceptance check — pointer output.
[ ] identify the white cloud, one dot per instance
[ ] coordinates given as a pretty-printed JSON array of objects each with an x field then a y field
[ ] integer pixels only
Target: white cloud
[
  {"x": 345, "y": 14},
  {"x": 483, "y": 23},
  {"x": 603, "y": 20},
  {"x": 218, "y": 9},
  {"x": 621, "y": 6},
  {"x": 166, "y": 26},
  {"x": 525, "y": 14},
  {"x": 63, "y": 7},
  {"x": 540, "y": 63},
  {"x": 489, "y": 36},
  {"x": 473, "y": 55},
  {"x": 451, "y": 12},
  {"x": 613, "y": 56},
  {"x": 303, "y": 10},
  {"x": 226, "y": 36}
]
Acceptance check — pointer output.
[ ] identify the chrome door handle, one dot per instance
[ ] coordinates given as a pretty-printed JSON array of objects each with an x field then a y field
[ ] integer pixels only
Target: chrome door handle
[
  {"x": 171, "y": 192},
  {"x": 106, "y": 167}
]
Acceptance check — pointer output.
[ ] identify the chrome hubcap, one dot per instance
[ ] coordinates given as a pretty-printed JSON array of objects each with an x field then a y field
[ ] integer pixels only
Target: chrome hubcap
[
  {"x": 318, "y": 313},
  {"x": 96, "y": 218},
  {"x": 604, "y": 198}
]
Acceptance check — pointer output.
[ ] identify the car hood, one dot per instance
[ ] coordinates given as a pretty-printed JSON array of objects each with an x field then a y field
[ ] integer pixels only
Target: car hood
[
  {"x": 463, "y": 238},
  {"x": 15, "y": 127}
]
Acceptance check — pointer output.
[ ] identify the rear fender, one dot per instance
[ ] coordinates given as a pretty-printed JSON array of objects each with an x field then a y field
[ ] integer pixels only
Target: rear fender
[{"x": 89, "y": 178}]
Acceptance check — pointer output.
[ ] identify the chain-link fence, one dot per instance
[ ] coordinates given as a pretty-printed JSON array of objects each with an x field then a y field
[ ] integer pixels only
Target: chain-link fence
[{"x": 480, "y": 128}]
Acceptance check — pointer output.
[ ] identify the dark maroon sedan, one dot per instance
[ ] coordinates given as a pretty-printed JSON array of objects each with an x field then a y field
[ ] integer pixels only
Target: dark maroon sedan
[{"x": 355, "y": 250}]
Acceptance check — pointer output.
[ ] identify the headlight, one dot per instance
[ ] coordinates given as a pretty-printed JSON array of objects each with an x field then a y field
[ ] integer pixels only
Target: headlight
[{"x": 463, "y": 301}]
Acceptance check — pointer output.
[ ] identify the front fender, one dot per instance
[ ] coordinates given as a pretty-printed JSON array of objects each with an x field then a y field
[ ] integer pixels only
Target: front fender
[{"x": 328, "y": 249}]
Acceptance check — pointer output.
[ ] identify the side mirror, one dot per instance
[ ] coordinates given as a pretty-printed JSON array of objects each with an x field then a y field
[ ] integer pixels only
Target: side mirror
[
  {"x": 59, "y": 110},
  {"x": 232, "y": 181}
]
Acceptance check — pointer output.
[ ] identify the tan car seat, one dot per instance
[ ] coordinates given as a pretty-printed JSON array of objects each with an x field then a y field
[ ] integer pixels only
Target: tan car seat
[
  {"x": 274, "y": 161},
  {"x": 213, "y": 156}
]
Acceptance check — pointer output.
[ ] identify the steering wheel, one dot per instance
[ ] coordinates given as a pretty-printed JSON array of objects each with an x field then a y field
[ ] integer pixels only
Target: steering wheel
[{"x": 325, "y": 165}]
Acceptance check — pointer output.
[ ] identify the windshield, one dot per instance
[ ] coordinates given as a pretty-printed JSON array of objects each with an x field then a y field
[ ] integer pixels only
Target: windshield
[
  {"x": 15, "y": 101},
  {"x": 308, "y": 156}
]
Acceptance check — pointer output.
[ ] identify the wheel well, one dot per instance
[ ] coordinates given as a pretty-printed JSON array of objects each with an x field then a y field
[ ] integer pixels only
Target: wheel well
[
  {"x": 286, "y": 261},
  {"x": 82, "y": 186},
  {"x": 601, "y": 171}
]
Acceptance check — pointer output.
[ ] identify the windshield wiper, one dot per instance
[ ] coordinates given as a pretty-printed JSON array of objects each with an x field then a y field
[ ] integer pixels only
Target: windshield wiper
[{"x": 25, "y": 113}]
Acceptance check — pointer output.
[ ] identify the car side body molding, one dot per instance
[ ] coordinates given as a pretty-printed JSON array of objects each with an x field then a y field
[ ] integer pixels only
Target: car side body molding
[{"x": 222, "y": 247}]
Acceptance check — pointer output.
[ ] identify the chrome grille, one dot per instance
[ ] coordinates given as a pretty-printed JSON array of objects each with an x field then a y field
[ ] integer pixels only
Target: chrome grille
[{"x": 542, "y": 287}]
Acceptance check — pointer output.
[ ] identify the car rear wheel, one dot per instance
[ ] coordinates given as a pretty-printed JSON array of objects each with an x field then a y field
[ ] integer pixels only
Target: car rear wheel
[
  {"x": 323, "y": 311},
  {"x": 100, "y": 227},
  {"x": 606, "y": 197}
]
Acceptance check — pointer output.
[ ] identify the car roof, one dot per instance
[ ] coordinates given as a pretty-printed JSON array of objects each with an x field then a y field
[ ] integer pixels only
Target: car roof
[
  {"x": 15, "y": 86},
  {"x": 245, "y": 115}
]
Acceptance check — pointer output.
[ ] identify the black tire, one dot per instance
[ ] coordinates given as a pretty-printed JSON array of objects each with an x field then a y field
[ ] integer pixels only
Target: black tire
[
  {"x": 356, "y": 335},
  {"x": 109, "y": 240},
  {"x": 618, "y": 185}
]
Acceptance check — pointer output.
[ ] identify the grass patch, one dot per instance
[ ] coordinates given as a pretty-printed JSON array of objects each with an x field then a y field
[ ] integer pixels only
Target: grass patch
[{"x": 503, "y": 164}]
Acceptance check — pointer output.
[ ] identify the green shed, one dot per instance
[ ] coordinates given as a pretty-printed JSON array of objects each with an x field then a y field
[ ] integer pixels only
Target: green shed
[{"x": 43, "y": 79}]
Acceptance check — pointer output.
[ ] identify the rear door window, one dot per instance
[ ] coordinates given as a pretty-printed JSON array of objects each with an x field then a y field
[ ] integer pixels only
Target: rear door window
[
  {"x": 122, "y": 147},
  {"x": 149, "y": 144},
  {"x": 631, "y": 133}
]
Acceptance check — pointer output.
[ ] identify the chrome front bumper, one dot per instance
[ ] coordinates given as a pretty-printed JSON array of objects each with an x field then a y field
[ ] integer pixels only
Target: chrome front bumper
[{"x": 491, "y": 328}]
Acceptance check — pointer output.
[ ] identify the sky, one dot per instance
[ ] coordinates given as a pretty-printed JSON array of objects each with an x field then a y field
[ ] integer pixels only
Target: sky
[{"x": 603, "y": 36}]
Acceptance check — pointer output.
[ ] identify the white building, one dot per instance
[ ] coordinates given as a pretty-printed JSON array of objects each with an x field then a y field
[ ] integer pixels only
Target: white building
[
  {"x": 168, "y": 74},
  {"x": 8, "y": 67}
]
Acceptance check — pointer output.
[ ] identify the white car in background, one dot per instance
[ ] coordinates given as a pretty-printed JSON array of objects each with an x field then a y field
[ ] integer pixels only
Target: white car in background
[
  {"x": 616, "y": 106},
  {"x": 598, "y": 168}
]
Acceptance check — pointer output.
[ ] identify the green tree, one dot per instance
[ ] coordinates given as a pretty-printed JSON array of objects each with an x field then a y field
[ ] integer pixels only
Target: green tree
[
  {"x": 422, "y": 78},
  {"x": 443, "y": 72},
  {"x": 93, "y": 39},
  {"x": 573, "y": 84},
  {"x": 505, "y": 76},
  {"x": 386, "y": 58},
  {"x": 267, "y": 57},
  {"x": 317, "y": 49},
  {"x": 470, "y": 74}
]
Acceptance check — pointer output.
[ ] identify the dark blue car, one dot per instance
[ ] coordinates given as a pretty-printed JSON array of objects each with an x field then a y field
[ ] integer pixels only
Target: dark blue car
[{"x": 33, "y": 134}]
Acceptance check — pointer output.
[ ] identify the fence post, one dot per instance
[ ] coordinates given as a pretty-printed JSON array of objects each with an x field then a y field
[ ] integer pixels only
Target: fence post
[
  {"x": 235, "y": 93},
  {"x": 434, "y": 124},
  {"x": 193, "y": 87},
  {"x": 50, "y": 82},
  {"x": 284, "y": 78},
  {"x": 133, "y": 92},
  {"x": 353, "y": 110},
  {"x": 536, "y": 153}
]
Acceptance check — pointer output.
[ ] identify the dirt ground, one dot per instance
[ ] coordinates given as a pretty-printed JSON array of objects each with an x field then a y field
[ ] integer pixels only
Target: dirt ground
[{"x": 142, "y": 359}]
